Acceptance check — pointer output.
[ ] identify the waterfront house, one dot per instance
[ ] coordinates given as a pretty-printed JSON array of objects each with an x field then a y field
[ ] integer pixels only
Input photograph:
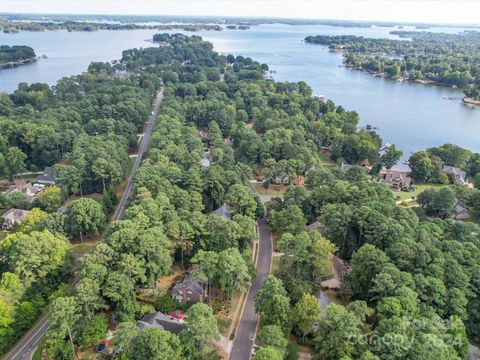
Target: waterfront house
[
  {"x": 190, "y": 290},
  {"x": 455, "y": 174},
  {"x": 13, "y": 217},
  {"x": 398, "y": 179}
]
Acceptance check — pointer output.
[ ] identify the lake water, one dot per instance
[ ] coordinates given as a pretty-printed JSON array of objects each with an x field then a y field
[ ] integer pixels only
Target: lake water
[{"x": 412, "y": 116}]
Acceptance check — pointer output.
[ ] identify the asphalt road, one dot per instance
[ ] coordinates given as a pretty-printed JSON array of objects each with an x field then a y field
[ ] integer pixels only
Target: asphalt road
[
  {"x": 25, "y": 348},
  {"x": 246, "y": 331}
]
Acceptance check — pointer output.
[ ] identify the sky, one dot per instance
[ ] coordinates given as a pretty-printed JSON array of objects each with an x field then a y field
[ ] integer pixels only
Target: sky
[{"x": 431, "y": 11}]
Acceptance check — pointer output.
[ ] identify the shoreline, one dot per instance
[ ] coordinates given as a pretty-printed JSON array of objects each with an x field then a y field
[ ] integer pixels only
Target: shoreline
[
  {"x": 400, "y": 78},
  {"x": 470, "y": 101},
  {"x": 14, "y": 64}
]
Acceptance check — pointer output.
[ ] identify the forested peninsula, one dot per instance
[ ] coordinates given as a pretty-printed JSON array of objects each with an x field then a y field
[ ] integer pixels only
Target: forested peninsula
[
  {"x": 426, "y": 57},
  {"x": 411, "y": 288},
  {"x": 16, "y": 26},
  {"x": 16, "y": 55}
]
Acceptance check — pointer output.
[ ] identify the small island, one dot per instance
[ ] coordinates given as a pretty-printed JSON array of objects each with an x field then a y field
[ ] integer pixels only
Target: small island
[
  {"x": 17, "y": 55},
  {"x": 428, "y": 58}
]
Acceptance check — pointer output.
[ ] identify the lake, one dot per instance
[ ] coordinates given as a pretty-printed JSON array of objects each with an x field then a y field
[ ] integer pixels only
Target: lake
[{"x": 412, "y": 116}]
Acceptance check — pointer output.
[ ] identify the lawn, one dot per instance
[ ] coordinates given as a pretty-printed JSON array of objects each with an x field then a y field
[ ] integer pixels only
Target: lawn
[
  {"x": 406, "y": 195},
  {"x": 326, "y": 160},
  {"x": 275, "y": 264},
  {"x": 223, "y": 324},
  {"x": 80, "y": 249}
]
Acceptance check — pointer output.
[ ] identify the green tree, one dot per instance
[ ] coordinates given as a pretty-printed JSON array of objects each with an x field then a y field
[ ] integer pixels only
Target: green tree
[
  {"x": 338, "y": 334},
  {"x": 391, "y": 157},
  {"x": 366, "y": 263},
  {"x": 33, "y": 256},
  {"x": 306, "y": 313},
  {"x": 155, "y": 344},
  {"x": 290, "y": 219},
  {"x": 63, "y": 316},
  {"x": 201, "y": 328},
  {"x": 16, "y": 162},
  {"x": 50, "y": 199},
  {"x": 273, "y": 336},
  {"x": 91, "y": 331},
  {"x": 241, "y": 200},
  {"x": 34, "y": 221},
  {"x": 125, "y": 333},
  {"x": 84, "y": 216},
  {"x": 268, "y": 353}
]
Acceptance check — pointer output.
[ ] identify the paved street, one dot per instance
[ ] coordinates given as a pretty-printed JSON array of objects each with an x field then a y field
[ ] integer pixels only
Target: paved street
[
  {"x": 245, "y": 336},
  {"x": 25, "y": 348}
]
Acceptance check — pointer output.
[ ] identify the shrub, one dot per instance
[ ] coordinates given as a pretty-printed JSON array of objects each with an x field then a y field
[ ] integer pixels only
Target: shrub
[
  {"x": 166, "y": 304},
  {"x": 91, "y": 331}
]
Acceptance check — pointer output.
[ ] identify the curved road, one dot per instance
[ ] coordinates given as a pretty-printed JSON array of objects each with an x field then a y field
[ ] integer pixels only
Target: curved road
[
  {"x": 27, "y": 345},
  {"x": 247, "y": 328}
]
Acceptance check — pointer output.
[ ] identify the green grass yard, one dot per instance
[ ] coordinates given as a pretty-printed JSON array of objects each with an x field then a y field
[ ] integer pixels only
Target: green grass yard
[
  {"x": 326, "y": 160},
  {"x": 407, "y": 195}
]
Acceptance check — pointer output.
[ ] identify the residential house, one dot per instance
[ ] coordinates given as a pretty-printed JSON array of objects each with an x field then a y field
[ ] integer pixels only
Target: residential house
[
  {"x": 13, "y": 217},
  {"x": 460, "y": 212},
  {"x": 457, "y": 175},
  {"x": 30, "y": 191},
  {"x": 398, "y": 179},
  {"x": 190, "y": 290},
  {"x": 161, "y": 321},
  {"x": 280, "y": 178},
  {"x": 46, "y": 178}
]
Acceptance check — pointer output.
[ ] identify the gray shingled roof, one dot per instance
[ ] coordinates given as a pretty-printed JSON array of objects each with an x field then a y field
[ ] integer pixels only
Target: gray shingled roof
[
  {"x": 161, "y": 321},
  {"x": 190, "y": 283}
]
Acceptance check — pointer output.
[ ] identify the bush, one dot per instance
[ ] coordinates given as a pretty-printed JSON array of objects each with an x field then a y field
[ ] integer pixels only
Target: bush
[
  {"x": 17, "y": 200},
  {"x": 91, "y": 331},
  {"x": 291, "y": 353},
  {"x": 166, "y": 304},
  {"x": 146, "y": 309}
]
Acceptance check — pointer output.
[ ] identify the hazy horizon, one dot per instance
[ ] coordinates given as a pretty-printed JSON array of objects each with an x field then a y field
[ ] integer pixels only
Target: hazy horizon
[{"x": 424, "y": 11}]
